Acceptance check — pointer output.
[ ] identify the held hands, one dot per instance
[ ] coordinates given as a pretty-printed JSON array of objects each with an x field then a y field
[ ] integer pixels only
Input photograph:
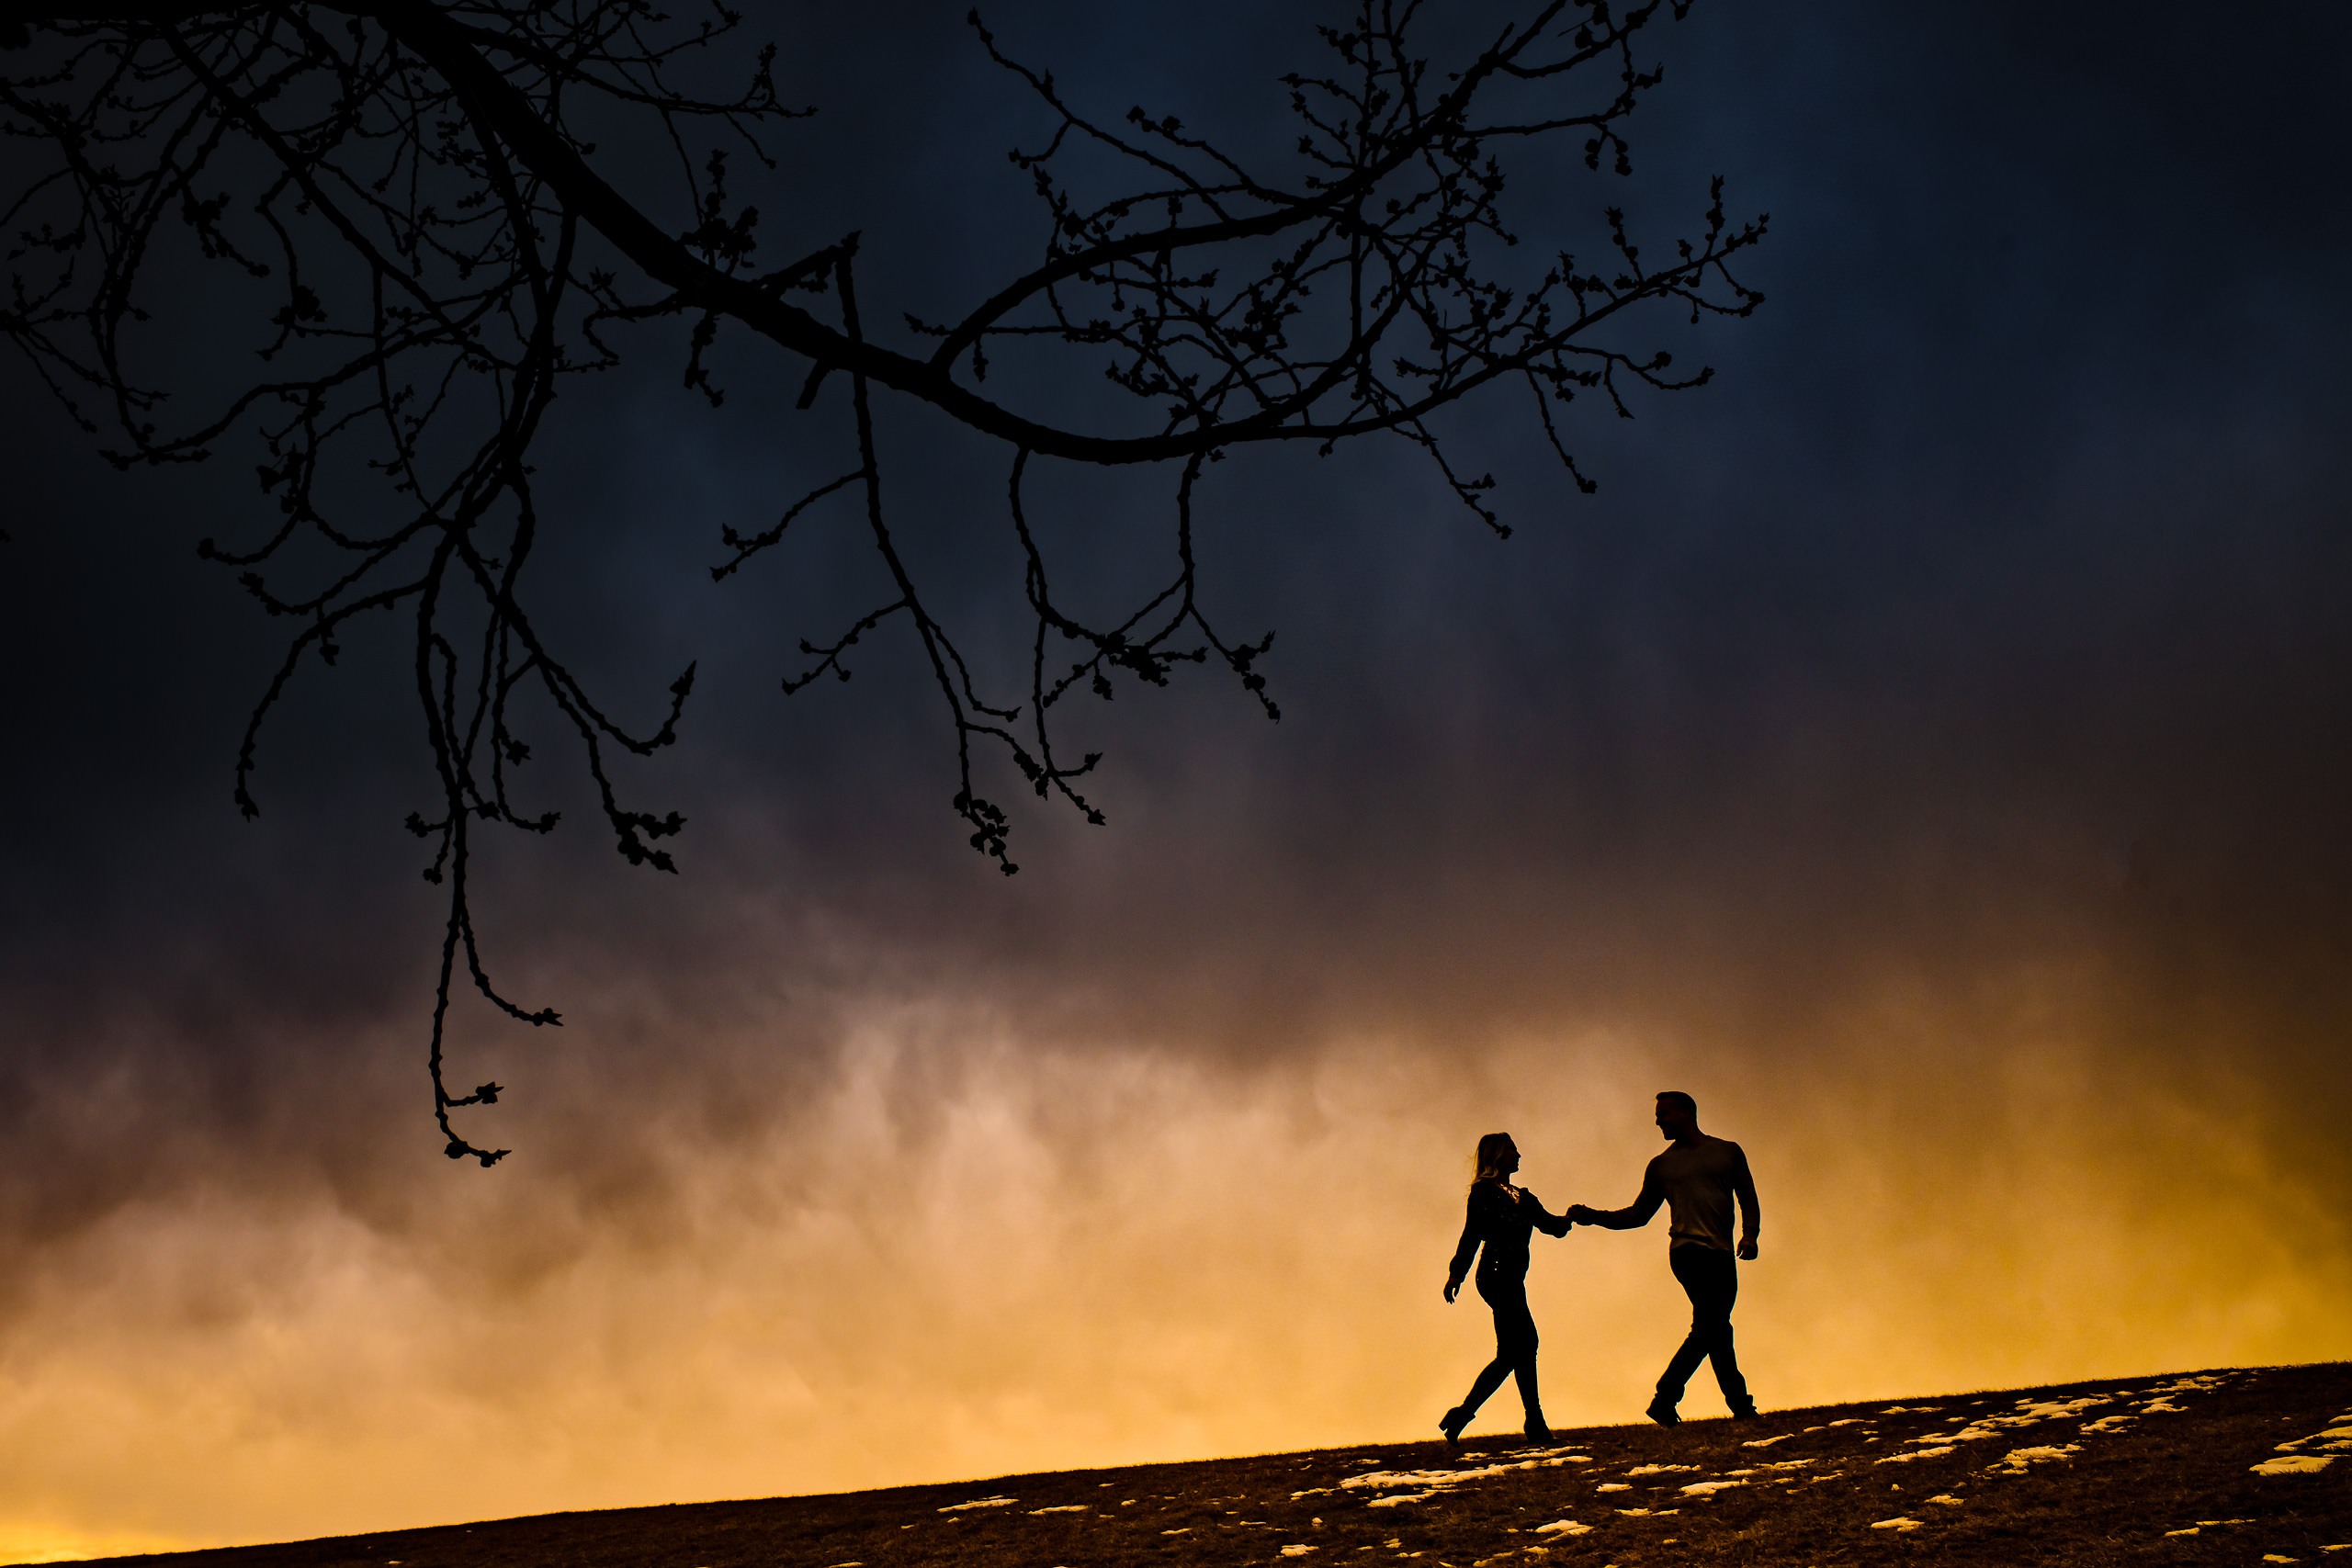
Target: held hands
[{"x": 1578, "y": 1214}]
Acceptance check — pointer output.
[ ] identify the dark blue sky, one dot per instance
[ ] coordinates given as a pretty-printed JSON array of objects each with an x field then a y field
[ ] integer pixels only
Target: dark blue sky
[{"x": 2008, "y": 545}]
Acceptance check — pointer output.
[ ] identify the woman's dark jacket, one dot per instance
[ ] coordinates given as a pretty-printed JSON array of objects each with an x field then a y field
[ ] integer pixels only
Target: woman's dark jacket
[{"x": 1501, "y": 1216}]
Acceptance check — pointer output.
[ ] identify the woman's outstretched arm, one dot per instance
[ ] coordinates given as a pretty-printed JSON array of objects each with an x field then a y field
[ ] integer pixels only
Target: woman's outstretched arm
[{"x": 1545, "y": 1221}]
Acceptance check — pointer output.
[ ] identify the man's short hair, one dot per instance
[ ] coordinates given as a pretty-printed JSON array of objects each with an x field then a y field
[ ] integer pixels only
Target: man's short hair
[{"x": 1676, "y": 1097}]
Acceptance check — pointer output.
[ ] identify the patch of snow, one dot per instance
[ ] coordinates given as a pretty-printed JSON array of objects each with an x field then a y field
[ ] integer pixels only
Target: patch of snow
[
  {"x": 2274, "y": 1556},
  {"x": 2294, "y": 1464},
  {"x": 2018, "y": 1459},
  {"x": 1400, "y": 1497},
  {"x": 1657, "y": 1469},
  {"x": 2048, "y": 1409},
  {"x": 1899, "y": 1522},
  {"x": 2108, "y": 1423},
  {"x": 1911, "y": 1410},
  {"x": 1614, "y": 1486},
  {"x": 2157, "y": 1408},
  {"x": 1946, "y": 1498},
  {"x": 1297, "y": 1550},
  {"x": 1791, "y": 1464},
  {"x": 2158, "y": 1394},
  {"x": 1766, "y": 1442},
  {"x": 1442, "y": 1477},
  {"x": 1563, "y": 1527},
  {"x": 2190, "y": 1530},
  {"x": 1848, "y": 1421},
  {"x": 980, "y": 1502},
  {"x": 1062, "y": 1508},
  {"x": 1708, "y": 1488},
  {"x": 1916, "y": 1453}
]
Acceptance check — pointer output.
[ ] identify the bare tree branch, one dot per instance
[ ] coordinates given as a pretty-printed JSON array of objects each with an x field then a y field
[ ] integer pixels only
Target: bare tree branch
[{"x": 425, "y": 254}]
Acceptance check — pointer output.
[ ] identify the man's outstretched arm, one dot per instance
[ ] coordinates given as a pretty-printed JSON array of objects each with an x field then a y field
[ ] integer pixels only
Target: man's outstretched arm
[
  {"x": 1751, "y": 1215},
  {"x": 1633, "y": 1217}
]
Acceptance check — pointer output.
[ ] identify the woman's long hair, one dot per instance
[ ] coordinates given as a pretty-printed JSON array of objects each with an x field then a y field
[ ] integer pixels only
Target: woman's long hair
[{"x": 1491, "y": 1150}]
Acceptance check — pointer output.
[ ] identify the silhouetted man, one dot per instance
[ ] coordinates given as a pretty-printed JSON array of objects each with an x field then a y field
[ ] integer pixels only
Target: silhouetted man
[{"x": 1696, "y": 1178}]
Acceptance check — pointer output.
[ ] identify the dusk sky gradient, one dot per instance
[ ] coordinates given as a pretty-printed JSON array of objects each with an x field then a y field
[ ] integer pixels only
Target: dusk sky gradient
[{"x": 1931, "y": 748}]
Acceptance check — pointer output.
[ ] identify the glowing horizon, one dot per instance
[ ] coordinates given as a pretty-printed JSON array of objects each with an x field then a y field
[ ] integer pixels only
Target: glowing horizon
[{"x": 952, "y": 1254}]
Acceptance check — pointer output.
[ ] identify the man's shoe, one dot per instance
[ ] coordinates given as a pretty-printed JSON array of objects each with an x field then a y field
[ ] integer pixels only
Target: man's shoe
[
  {"x": 1538, "y": 1433},
  {"x": 1451, "y": 1423},
  {"x": 1662, "y": 1411},
  {"x": 1745, "y": 1413}
]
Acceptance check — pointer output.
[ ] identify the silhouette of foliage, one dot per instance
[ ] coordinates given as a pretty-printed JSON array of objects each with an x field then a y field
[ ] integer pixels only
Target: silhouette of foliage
[{"x": 405, "y": 195}]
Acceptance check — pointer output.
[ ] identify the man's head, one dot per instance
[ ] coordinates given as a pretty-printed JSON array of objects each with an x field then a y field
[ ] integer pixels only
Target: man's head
[{"x": 1678, "y": 1113}]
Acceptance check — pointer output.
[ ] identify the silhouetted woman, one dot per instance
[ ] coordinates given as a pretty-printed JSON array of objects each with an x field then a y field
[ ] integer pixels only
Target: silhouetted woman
[{"x": 1501, "y": 1218}]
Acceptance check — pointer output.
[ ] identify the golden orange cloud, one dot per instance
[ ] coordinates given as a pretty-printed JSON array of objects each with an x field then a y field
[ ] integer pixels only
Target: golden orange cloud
[{"x": 963, "y": 1249}]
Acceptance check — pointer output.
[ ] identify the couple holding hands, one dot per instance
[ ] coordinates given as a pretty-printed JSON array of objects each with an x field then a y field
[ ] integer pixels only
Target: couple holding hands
[{"x": 1696, "y": 1178}]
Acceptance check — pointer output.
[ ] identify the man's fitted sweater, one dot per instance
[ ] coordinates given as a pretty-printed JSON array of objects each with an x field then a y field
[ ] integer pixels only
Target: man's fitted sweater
[{"x": 1695, "y": 1179}]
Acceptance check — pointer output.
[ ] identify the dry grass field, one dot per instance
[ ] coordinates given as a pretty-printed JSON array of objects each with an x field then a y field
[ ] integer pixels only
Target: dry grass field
[{"x": 2235, "y": 1467}]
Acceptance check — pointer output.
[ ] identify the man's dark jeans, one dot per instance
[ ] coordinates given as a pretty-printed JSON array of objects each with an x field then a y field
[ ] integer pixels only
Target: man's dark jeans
[{"x": 1711, "y": 1279}]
